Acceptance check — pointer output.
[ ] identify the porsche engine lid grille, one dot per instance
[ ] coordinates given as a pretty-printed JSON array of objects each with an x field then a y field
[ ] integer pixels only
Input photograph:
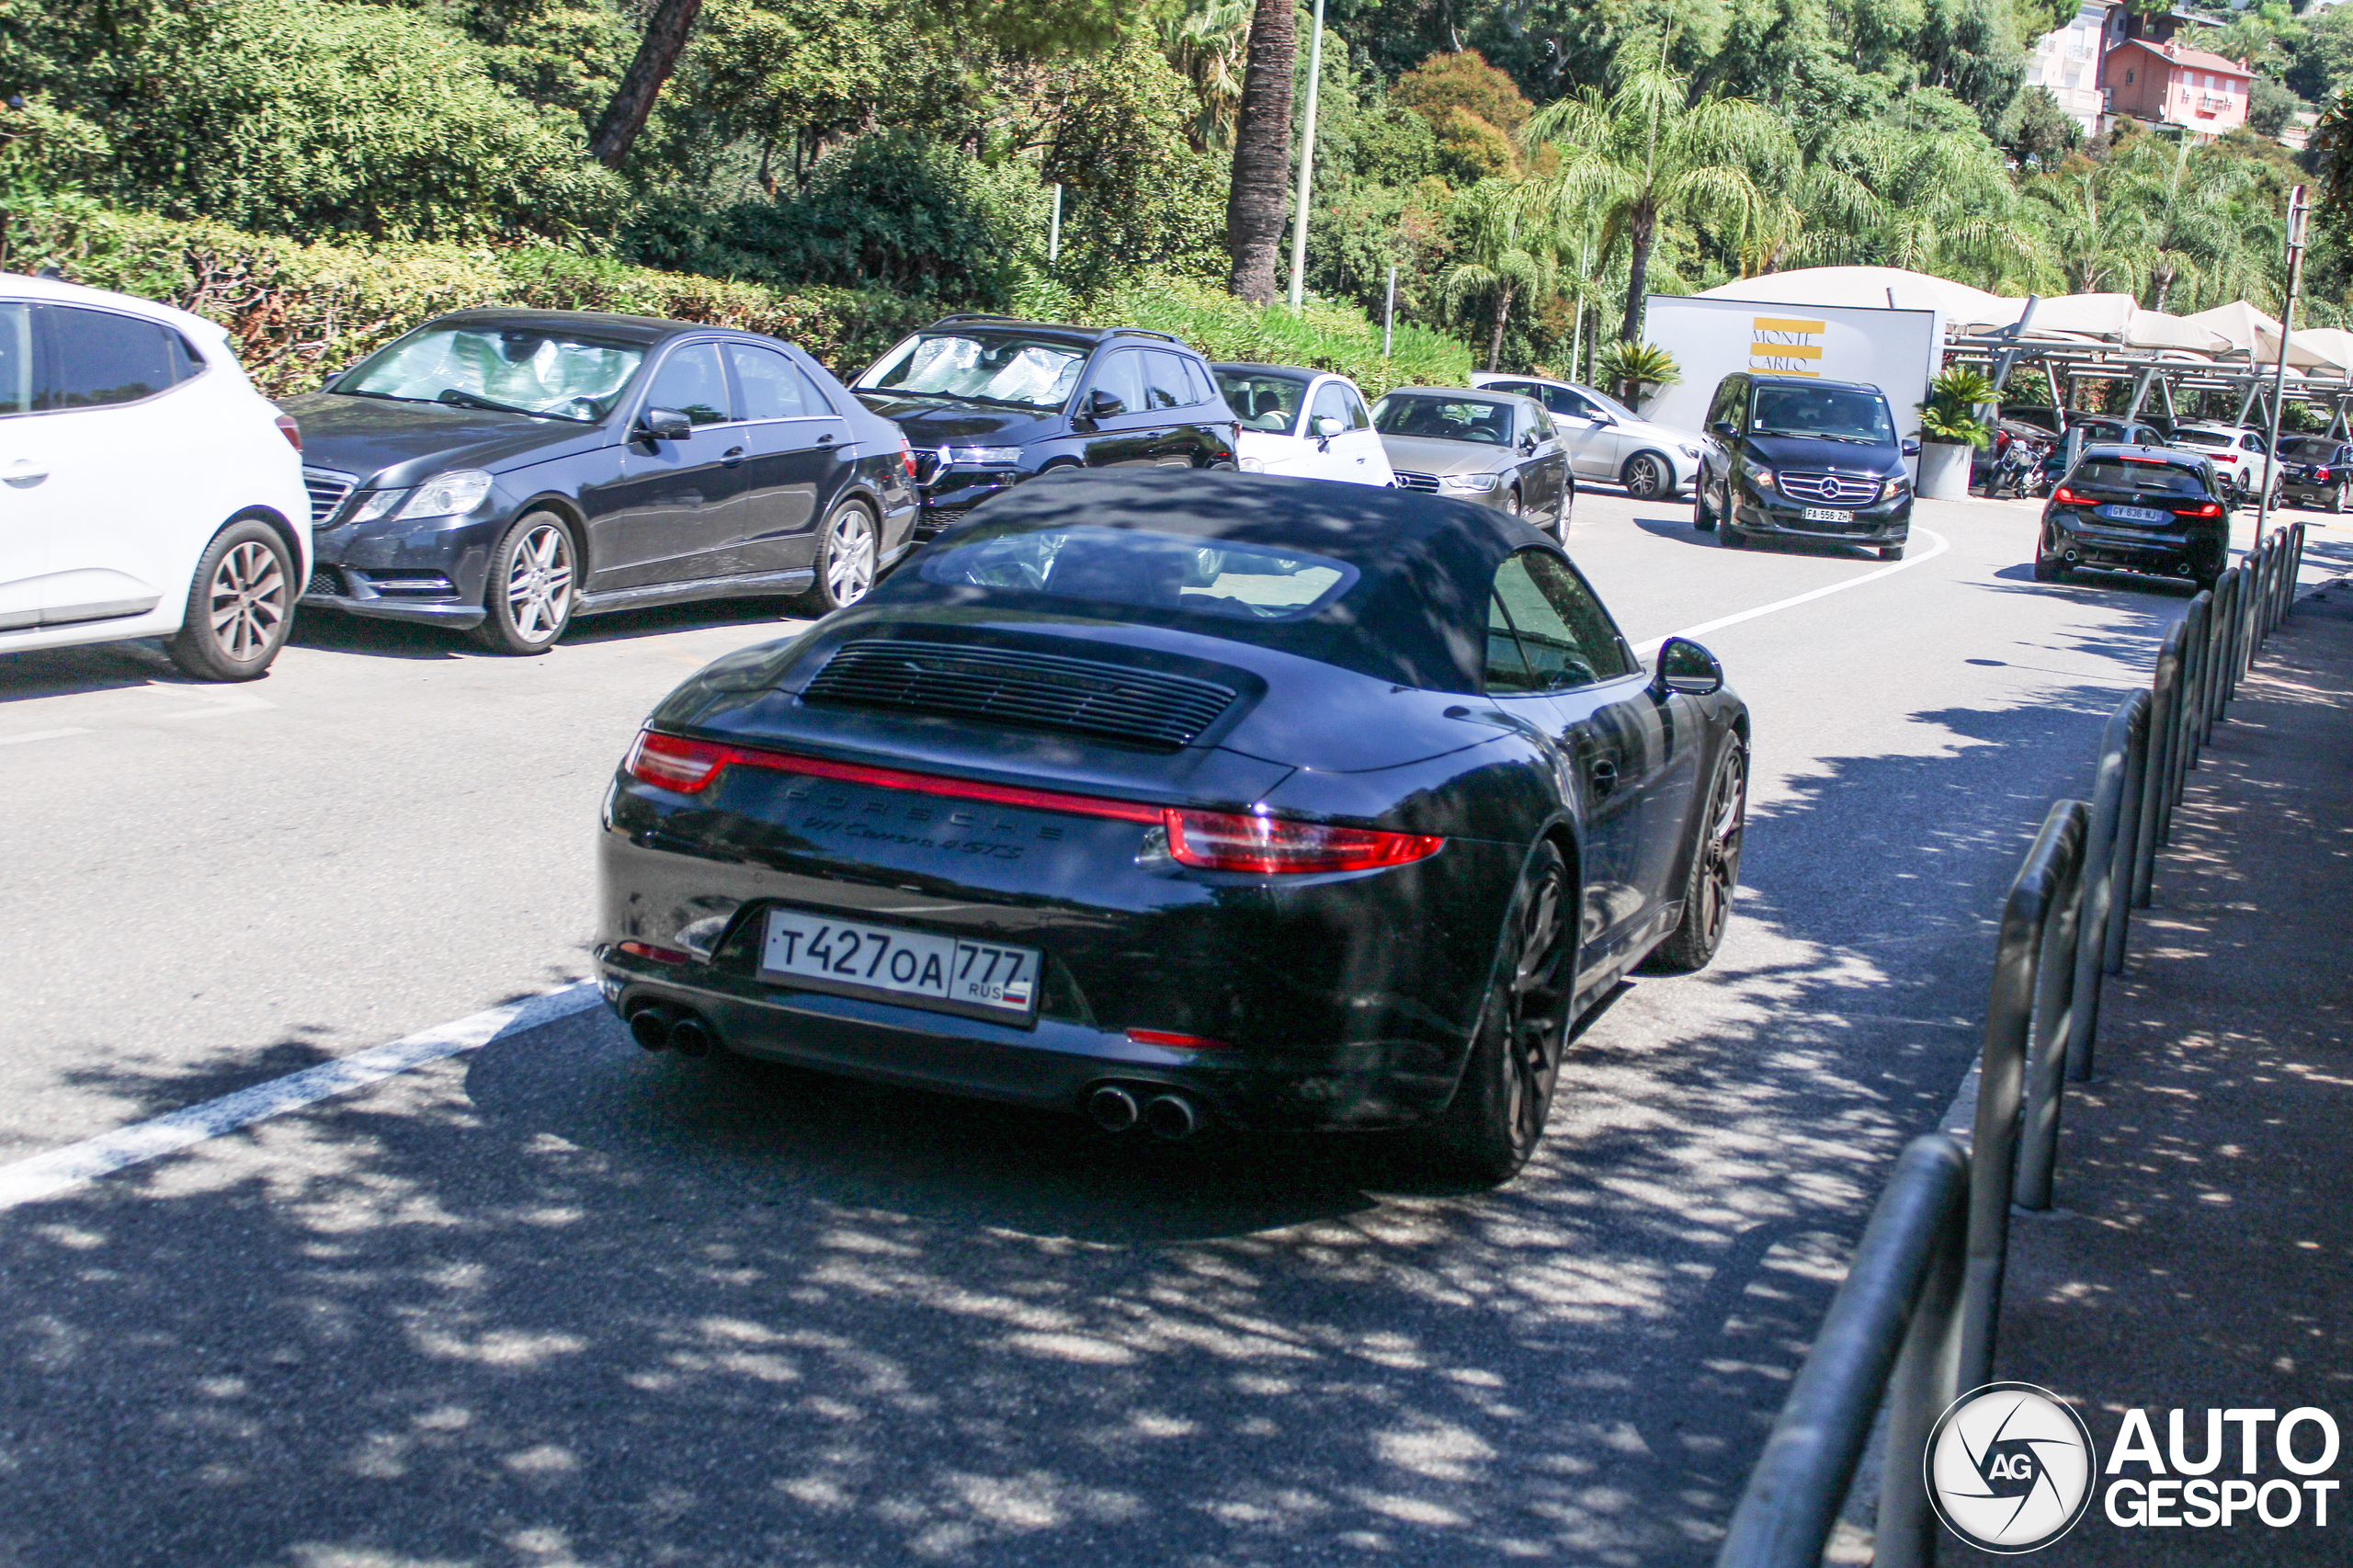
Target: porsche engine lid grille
[
  {"x": 1043, "y": 691},
  {"x": 1416, "y": 481}
]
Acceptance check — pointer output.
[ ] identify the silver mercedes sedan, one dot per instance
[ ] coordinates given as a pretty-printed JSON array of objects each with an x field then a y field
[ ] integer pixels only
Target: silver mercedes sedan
[
  {"x": 1483, "y": 447},
  {"x": 1608, "y": 442}
]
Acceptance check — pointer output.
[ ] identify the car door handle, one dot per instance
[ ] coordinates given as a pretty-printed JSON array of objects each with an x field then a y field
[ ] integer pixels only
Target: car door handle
[
  {"x": 731, "y": 457},
  {"x": 827, "y": 439},
  {"x": 1604, "y": 773},
  {"x": 22, "y": 475}
]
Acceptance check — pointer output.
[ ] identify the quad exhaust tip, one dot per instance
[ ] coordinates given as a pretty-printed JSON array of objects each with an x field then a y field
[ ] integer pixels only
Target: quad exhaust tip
[
  {"x": 1113, "y": 1108},
  {"x": 659, "y": 1027}
]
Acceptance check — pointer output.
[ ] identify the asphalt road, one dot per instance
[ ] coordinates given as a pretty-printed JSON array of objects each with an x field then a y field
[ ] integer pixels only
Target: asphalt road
[{"x": 559, "y": 1303}]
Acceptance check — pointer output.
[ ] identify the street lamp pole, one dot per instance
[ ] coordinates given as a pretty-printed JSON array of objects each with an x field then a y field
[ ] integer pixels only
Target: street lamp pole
[
  {"x": 1306, "y": 163},
  {"x": 2298, "y": 210}
]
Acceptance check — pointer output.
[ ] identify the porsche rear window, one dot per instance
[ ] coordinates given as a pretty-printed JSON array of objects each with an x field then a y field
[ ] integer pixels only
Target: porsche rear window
[
  {"x": 1154, "y": 570},
  {"x": 2158, "y": 477}
]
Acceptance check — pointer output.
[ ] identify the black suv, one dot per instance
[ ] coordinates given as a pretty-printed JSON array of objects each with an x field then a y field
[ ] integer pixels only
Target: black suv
[
  {"x": 989, "y": 401},
  {"x": 2136, "y": 509},
  {"x": 1808, "y": 459}
]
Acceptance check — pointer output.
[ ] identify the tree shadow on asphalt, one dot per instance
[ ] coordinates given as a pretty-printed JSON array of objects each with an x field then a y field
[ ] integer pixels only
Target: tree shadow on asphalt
[{"x": 569, "y": 1302}]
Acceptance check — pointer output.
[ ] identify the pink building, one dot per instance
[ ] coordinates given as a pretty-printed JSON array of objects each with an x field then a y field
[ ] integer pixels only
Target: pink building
[{"x": 2203, "y": 93}]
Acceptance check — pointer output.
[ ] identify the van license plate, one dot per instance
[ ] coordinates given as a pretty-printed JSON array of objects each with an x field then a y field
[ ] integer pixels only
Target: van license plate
[
  {"x": 951, "y": 973},
  {"x": 1827, "y": 515}
]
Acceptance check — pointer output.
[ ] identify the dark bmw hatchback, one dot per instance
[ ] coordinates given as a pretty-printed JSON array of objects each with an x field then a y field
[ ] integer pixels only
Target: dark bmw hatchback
[
  {"x": 987, "y": 402},
  {"x": 2136, "y": 509},
  {"x": 501, "y": 470}
]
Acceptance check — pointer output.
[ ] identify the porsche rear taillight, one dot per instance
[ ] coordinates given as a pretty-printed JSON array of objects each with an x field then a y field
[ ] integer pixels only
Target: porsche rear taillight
[
  {"x": 1231, "y": 841},
  {"x": 1210, "y": 841},
  {"x": 673, "y": 762}
]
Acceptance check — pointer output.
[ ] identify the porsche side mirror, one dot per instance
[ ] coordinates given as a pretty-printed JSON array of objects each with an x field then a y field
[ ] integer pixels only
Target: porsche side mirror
[
  {"x": 1685, "y": 668},
  {"x": 1911, "y": 447},
  {"x": 664, "y": 425}
]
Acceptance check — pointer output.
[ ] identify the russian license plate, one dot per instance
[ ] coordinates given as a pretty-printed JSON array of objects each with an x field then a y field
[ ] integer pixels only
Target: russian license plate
[
  {"x": 951, "y": 973},
  {"x": 2136, "y": 514},
  {"x": 1827, "y": 515}
]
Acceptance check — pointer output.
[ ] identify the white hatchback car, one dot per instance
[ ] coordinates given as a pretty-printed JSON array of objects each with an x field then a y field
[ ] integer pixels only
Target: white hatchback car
[
  {"x": 146, "y": 489},
  {"x": 1307, "y": 424}
]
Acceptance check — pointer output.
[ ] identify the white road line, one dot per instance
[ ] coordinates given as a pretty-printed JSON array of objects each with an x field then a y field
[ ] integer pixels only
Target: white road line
[
  {"x": 1649, "y": 649},
  {"x": 40, "y": 735},
  {"x": 45, "y": 1175}
]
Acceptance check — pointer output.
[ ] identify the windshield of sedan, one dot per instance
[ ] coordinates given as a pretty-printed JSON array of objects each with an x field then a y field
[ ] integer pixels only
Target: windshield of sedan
[
  {"x": 1002, "y": 368},
  {"x": 2149, "y": 478},
  {"x": 1262, "y": 402},
  {"x": 1604, "y": 400},
  {"x": 549, "y": 375},
  {"x": 1834, "y": 414},
  {"x": 1130, "y": 566},
  {"x": 1444, "y": 418}
]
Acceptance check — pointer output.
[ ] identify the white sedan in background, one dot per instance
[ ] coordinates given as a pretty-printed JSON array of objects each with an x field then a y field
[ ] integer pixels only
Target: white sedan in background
[
  {"x": 1307, "y": 424},
  {"x": 146, "y": 489},
  {"x": 1609, "y": 443}
]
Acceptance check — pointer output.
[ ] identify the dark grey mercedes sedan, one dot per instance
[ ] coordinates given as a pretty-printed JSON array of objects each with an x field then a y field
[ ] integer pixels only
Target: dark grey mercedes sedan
[{"x": 502, "y": 470}]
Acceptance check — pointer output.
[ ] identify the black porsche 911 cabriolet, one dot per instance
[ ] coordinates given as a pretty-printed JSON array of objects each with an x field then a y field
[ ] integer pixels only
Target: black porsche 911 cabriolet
[{"x": 1172, "y": 798}]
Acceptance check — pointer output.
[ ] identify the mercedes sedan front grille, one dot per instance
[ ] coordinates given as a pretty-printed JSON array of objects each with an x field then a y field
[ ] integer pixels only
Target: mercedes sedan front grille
[
  {"x": 1043, "y": 691},
  {"x": 327, "y": 490},
  {"x": 1416, "y": 481},
  {"x": 1829, "y": 489}
]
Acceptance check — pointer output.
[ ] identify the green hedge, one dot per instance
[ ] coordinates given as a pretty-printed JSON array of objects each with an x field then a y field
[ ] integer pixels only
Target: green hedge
[{"x": 297, "y": 311}]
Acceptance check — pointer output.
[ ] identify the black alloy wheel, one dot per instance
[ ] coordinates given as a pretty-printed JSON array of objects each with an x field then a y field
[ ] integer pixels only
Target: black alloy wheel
[
  {"x": 1703, "y": 516},
  {"x": 1716, "y": 870},
  {"x": 1493, "y": 1124},
  {"x": 1645, "y": 477},
  {"x": 848, "y": 548},
  {"x": 2050, "y": 569},
  {"x": 240, "y": 605},
  {"x": 533, "y": 585}
]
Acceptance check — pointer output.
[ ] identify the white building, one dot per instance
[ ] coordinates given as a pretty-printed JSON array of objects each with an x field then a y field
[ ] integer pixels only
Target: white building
[{"x": 2067, "y": 63}]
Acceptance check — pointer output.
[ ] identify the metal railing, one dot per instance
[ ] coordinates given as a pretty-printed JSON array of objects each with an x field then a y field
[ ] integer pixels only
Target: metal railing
[{"x": 1916, "y": 1321}]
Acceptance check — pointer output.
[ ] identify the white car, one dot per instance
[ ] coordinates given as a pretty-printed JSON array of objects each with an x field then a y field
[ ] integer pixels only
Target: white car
[
  {"x": 146, "y": 489},
  {"x": 1308, "y": 424},
  {"x": 2238, "y": 456},
  {"x": 1609, "y": 443}
]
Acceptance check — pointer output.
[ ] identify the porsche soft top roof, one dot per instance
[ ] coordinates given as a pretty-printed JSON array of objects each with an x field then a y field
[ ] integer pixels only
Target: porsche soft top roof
[{"x": 1417, "y": 615}]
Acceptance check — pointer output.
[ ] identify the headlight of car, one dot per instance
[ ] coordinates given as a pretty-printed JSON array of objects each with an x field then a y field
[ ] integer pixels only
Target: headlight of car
[
  {"x": 1469, "y": 481},
  {"x": 1253, "y": 465},
  {"x": 1761, "y": 477},
  {"x": 450, "y": 495},
  {"x": 1895, "y": 486},
  {"x": 984, "y": 457},
  {"x": 375, "y": 505}
]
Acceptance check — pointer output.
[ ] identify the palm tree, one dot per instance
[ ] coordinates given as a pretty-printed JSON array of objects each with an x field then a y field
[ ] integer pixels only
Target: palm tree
[
  {"x": 1647, "y": 151},
  {"x": 1255, "y": 200},
  {"x": 1927, "y": 200},
  {"x": 2196, "y": 235},
  {"x": 1505, "y": 260},
  {"x": 1205, "y": 45},
  {"x": 2098, "y": 244}
]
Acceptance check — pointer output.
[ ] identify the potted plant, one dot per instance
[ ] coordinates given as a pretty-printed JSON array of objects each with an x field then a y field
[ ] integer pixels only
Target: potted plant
[
  {"x": 1634, "y": 371},
  {"x": 1951, "y": 431}
]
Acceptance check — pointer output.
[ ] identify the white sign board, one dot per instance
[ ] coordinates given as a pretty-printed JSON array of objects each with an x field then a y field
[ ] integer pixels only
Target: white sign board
[{"x": 1896, "y": 351}]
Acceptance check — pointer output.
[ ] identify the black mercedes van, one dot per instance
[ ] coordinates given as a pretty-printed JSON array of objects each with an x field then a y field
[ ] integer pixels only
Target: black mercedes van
[{"x": 1803, "y": 457}]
